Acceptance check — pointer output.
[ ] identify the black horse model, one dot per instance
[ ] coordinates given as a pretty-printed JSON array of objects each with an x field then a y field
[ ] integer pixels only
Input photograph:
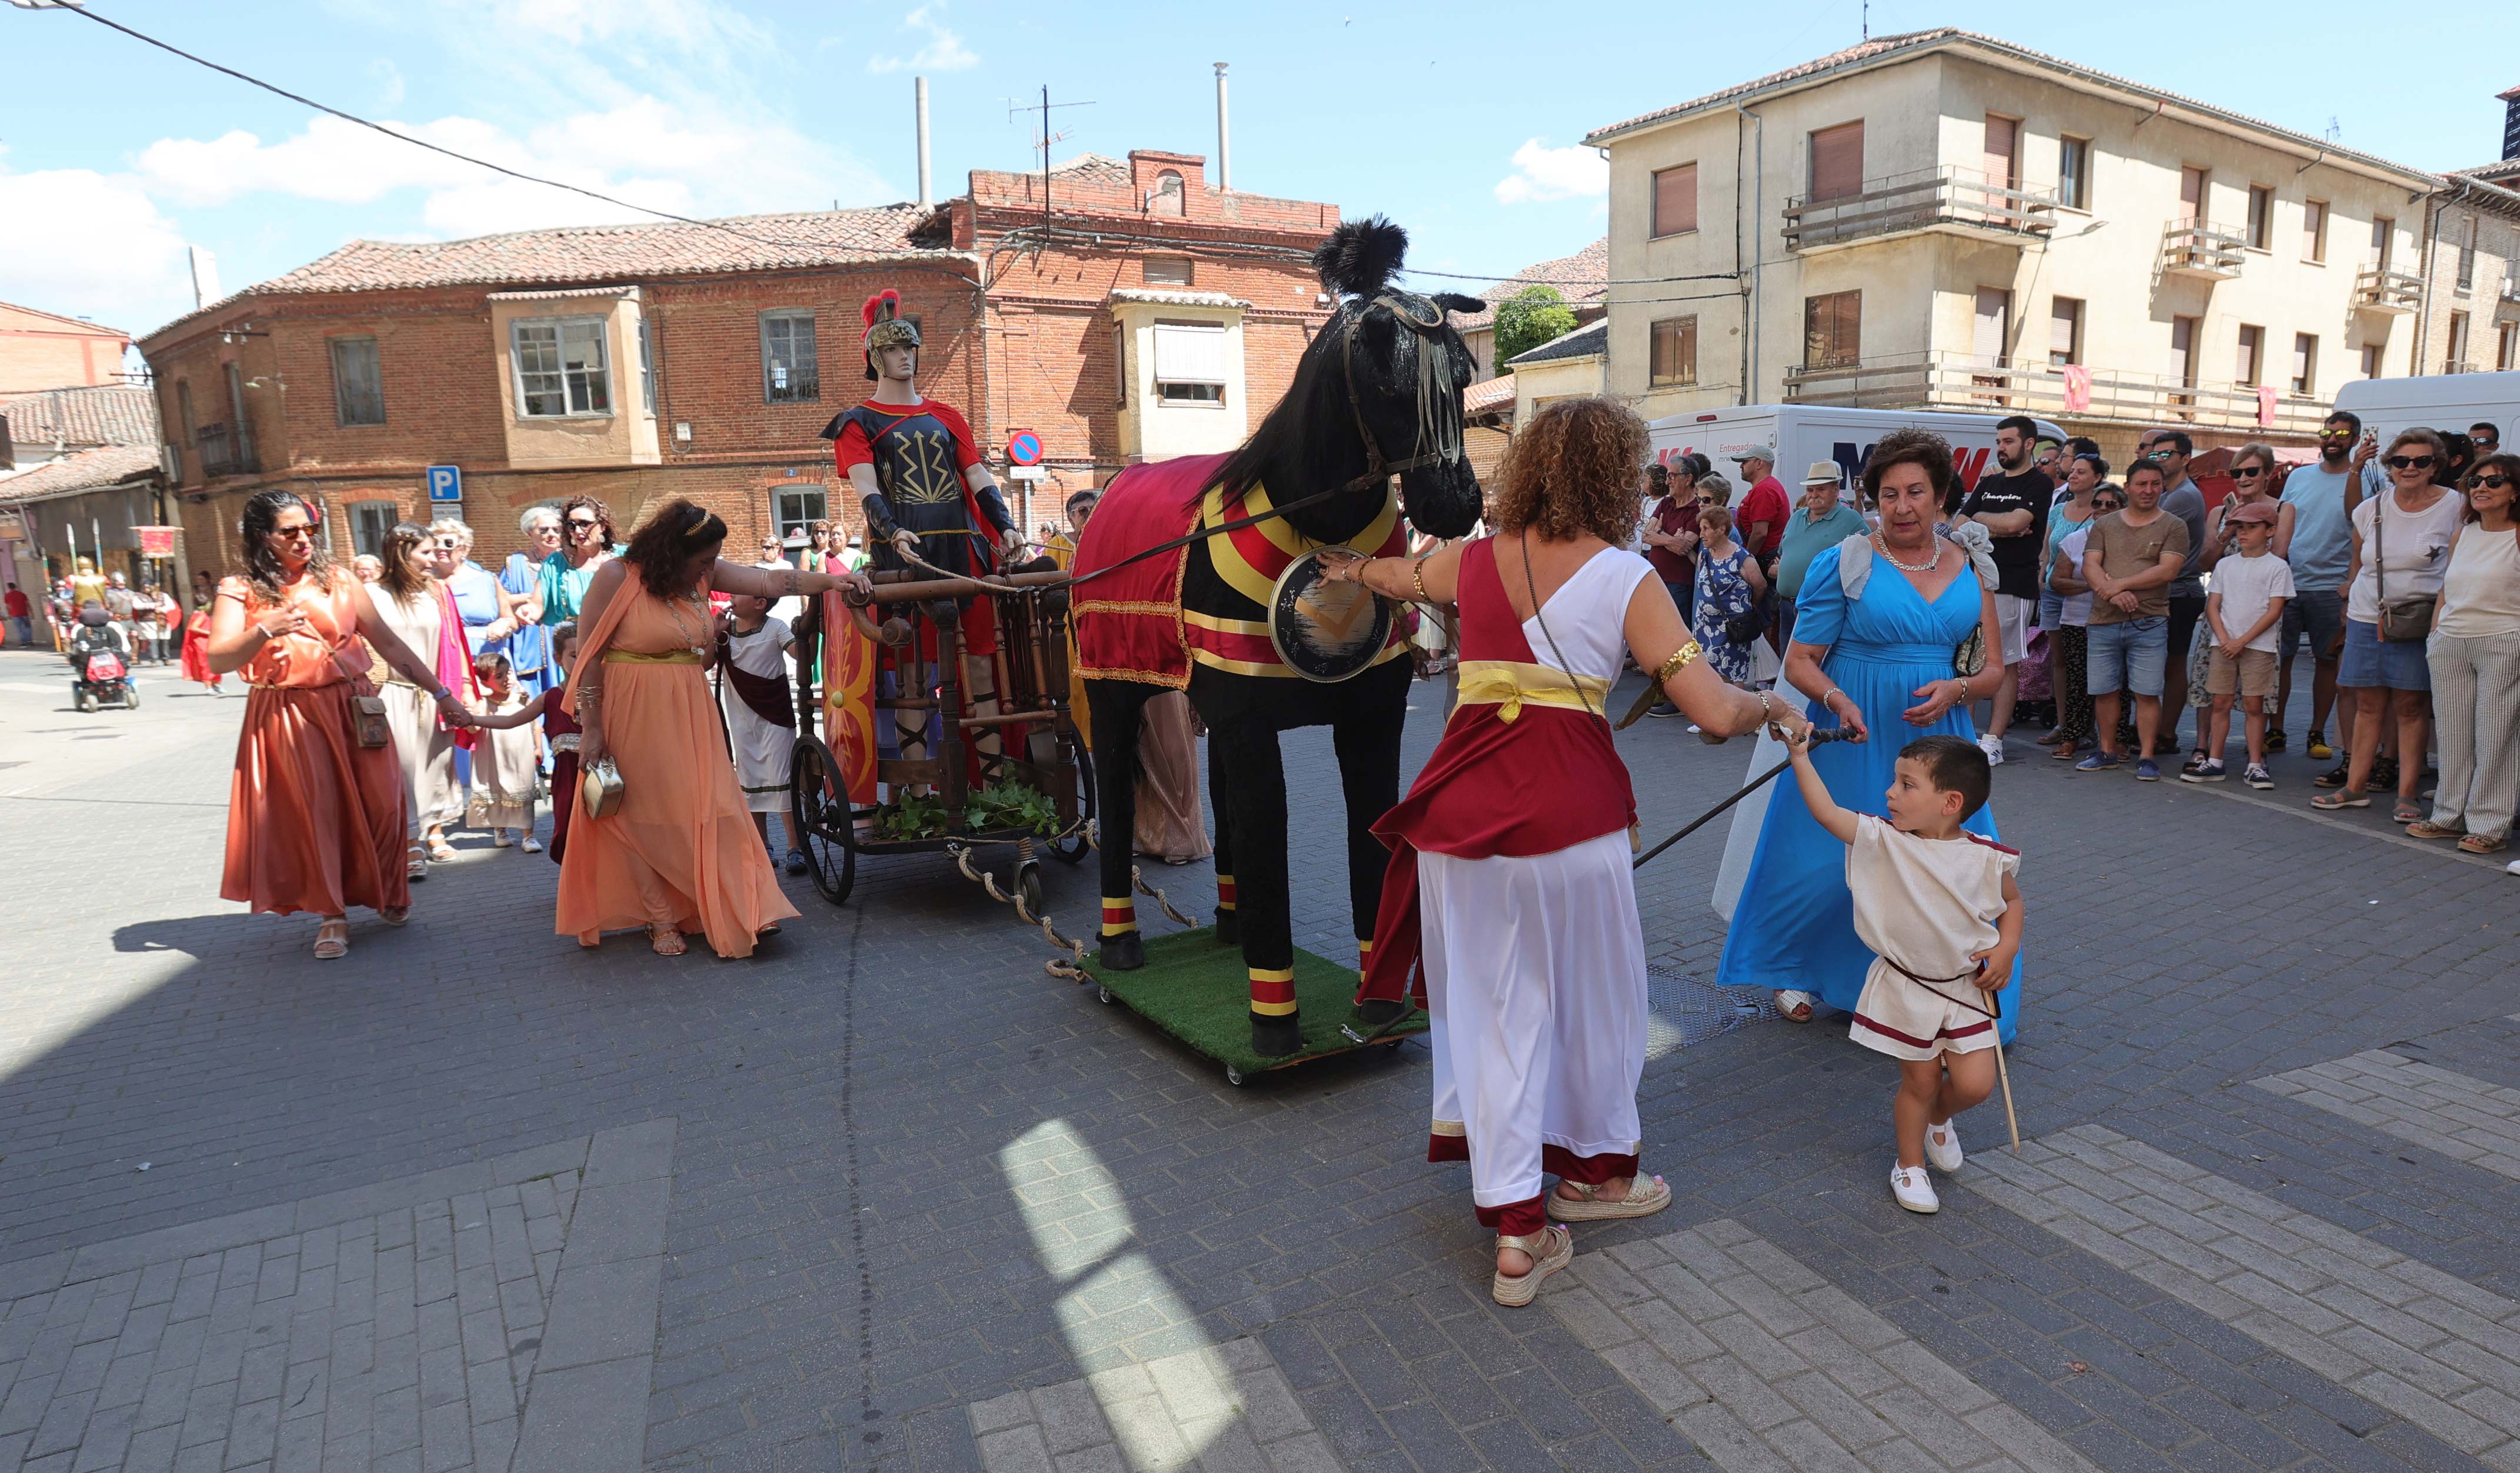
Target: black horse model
[{"x": 1376, "y": 396}]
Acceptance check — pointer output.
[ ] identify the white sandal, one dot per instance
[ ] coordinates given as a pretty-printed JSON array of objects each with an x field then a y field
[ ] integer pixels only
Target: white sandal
[
  {"x": 1647, "y": 1195},
  {"x": 1515, "y": 1292},
  {"x": 1795, "y": 1006}
]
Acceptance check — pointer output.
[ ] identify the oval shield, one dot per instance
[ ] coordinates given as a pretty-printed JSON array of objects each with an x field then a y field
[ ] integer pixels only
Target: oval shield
[{"x": 1324, "y": 631}]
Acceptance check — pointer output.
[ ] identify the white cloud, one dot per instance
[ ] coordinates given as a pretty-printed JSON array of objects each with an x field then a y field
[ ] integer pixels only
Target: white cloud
[
  {"x": 1541, "y": 173},
  {"x": 83, "y": 244},
  {"x": 648, "y": 151},
  {"x": 944, "y": 50}
]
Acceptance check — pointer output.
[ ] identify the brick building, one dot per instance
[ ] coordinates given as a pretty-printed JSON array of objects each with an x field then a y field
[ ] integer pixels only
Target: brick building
[
  {"x": 46, "y": 350},
  {"x": 1141, "y": 313}
]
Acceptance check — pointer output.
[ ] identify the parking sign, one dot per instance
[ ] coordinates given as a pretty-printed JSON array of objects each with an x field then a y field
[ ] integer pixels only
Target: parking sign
[{"x": 445, "y": 484}]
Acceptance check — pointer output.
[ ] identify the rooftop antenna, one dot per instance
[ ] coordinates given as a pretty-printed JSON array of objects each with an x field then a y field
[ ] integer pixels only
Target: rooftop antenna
[
  {"x": 1043, "y": 138},
  {"x": 1867, "y": 19}
]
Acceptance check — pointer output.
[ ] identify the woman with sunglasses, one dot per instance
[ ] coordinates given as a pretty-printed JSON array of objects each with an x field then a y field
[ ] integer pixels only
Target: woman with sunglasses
[
  {"x": 586, "y": 543},
  {"x": 2474, "y": 655},
  {"x": 2401, "y": 539},
  {"x": 315, "y": 820}
]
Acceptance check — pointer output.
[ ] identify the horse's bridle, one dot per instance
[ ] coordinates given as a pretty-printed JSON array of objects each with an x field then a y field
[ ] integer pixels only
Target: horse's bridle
[{"x": 1403, "y": 307}]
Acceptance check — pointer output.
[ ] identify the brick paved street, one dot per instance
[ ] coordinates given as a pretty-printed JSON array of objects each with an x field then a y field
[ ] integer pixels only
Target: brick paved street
[{"x": 889, "y": 1197}]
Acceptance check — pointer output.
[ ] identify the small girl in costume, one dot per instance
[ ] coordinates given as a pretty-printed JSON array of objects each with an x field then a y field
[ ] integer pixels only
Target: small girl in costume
[
  {"x": 510, "y": 720},
  {"x": 505, "y": 776}
]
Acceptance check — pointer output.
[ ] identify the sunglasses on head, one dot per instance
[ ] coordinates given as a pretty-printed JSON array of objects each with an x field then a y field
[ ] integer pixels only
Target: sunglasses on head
[{"x": 2410, "y": 462}]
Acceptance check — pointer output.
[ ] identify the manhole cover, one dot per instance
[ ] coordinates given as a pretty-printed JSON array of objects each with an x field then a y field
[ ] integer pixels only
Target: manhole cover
[{"x": 1682, "y": 1010}]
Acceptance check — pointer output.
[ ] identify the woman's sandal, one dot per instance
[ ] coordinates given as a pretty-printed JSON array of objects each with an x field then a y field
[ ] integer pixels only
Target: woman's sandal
[
  {"x": 1794, "y": 1006},
  {"x": 333, "y": 940},
  {"x": 440, "y": 850},
  {"x": 1513, "y": 1291},
  {"x": 2482, "y": 843},
  {"x": 2343, "y": 797},
  {"x": 1647, "y": 1195},
  {"x": 2064, "y": 751},
  {"x": 2426, "y": 828},
  {"x": 394, "y": 915},
  {"x": 666, "y": 940},
  {"x": 415, "y": 862},
  {"x": 2407, "y": 812}
]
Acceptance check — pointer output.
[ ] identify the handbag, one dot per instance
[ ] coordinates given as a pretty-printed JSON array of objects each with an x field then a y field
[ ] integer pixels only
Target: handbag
[
  {"x": 2407, "y": 621},
  {"x": 599, "y": 790},
  {"x": 368, "y": 723}
]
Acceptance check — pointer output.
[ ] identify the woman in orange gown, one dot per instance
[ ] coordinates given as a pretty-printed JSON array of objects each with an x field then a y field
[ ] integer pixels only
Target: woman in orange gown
[
  {"x": 680, "y": 855},
  {"x": 195, "y": 650},
  {"x": 315, "y": 820}
]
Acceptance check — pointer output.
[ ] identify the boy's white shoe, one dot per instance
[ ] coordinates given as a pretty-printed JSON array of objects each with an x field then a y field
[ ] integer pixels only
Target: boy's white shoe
[
  {"x": 1993, "y": 747},
  {"x": 1913, "y": 1189},
  {"x": 1942, "y": 1147}
]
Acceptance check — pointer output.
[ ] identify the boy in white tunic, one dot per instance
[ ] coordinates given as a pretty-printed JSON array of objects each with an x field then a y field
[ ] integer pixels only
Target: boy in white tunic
[
  {"x": 1939, "y": 909},
  {"x": 761, "y": 715}
]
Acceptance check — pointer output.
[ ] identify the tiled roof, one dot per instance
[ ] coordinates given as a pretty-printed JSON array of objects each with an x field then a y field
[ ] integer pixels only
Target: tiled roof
[
  {"x": 1487, "y": 396},
  {"x": 115, "y": 414},
  {"x": 1095, "y": 167},
  {"x": 1580, "y": 278},
  {"x": 83, "y": 471},
  {"x": 591, "y": 253},
  {"x": 81, "y": 323},
  {"x": 1162, "y": 298},
  {"x": 1920, "y": 41},
  {"x": 1583, "y": 342}
]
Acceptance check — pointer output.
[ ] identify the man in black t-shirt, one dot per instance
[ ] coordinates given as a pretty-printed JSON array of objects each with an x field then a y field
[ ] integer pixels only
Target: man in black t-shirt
[{"x": 2012, "y": 507}]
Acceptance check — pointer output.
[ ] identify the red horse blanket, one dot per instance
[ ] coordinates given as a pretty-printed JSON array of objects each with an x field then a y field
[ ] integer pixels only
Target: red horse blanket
[{"x": 1132, "y": 624}]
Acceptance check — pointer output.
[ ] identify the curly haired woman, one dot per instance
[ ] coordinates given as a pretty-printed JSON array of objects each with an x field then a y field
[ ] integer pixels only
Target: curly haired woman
[{"x": 1508, "y": 877}]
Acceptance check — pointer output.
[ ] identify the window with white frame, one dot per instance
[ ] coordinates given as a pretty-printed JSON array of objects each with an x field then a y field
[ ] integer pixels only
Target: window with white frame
[
  {"x": 371, "y": 522},
  {"x": 647, "y": 369},
  {"x": 562, "y": 368},
  {"x": 796, "y": 508},
  {"x": 790, "y": 370},
  {"x": 1191, "y": 364}
]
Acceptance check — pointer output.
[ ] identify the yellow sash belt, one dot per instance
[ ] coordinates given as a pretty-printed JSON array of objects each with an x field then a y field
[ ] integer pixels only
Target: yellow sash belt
[
  {"x": 633, "y": 657},
  {"x": 1511, "y": 685}
]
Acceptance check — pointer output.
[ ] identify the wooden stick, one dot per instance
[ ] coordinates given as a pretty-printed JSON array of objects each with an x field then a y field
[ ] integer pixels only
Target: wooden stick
[{"x": 2005, "y": 1077}]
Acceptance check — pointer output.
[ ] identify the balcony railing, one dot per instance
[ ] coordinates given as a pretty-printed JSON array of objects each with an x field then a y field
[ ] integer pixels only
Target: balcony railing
[
  {"x": 225, "y": 450},
  {"x": 1947, "y": 197},
  {"x": 2376, "y": 288},
  {"x": 2455, "y": 366},
  {"x": 2191, "y": 248},
  {"x": 2506, "y": 305},
  {"x": 1957, "y": 382}
]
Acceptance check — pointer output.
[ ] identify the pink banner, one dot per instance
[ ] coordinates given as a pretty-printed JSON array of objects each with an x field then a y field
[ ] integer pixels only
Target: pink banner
[
  {"x": 2266, "y": 406},
  {"x": 2078, "y": 388}
]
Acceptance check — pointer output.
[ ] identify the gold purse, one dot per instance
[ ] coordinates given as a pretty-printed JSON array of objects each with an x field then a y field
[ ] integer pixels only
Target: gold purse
[{"x": 599, "y": 791}]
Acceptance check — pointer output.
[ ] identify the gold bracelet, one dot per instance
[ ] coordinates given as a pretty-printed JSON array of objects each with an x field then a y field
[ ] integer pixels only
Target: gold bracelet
[
  {"x": 1681, "y": 659},
  {"x": 1417, "y": 576}
]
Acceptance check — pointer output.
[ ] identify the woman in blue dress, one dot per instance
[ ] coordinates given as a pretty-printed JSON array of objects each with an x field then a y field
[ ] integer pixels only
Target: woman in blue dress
[{"x": 1878, "y": 659}]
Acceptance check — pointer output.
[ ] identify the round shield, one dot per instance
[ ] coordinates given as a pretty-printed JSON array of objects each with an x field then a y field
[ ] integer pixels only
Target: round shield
[{"x": 1325, "y": 631}]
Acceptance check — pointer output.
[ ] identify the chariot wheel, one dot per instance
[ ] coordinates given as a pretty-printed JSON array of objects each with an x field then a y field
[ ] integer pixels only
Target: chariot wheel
[
  {"x": 1072, "y": 849},
  {"x": 829, "y": 831}
]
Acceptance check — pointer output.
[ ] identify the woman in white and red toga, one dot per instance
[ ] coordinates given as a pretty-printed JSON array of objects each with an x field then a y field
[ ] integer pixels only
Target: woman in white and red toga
[{"x": 1508, "y": 906}]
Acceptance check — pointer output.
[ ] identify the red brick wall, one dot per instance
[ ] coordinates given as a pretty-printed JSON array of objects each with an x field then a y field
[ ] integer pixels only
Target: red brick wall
[{"x": 40, "y": 351}]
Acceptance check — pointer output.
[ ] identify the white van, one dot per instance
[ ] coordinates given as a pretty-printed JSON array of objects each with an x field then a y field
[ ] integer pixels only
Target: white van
[
  {"x": 1804, "y": 433},
  {"x": 2435, "y": 401}
]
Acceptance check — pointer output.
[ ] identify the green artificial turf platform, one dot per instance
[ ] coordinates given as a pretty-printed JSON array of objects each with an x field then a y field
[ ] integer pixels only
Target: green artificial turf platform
[{"x": 1197, "y": 990}]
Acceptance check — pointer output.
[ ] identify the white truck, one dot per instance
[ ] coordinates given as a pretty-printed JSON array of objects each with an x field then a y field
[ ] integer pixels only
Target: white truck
[
  {"x": 2435, "y": 401},
  {"x": 1804, "y": 433}
]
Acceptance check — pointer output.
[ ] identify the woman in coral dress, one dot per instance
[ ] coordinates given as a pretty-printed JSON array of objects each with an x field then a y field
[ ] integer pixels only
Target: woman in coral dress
[
  {"x": 679, "y": 856},
  {"x": 315, "y": 820}
]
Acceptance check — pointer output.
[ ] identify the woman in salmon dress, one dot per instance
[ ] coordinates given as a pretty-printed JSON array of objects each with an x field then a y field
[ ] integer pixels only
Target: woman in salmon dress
[
  {"x": 679, "y": 856},
  {"x": 195, "y": 651},
  {"x": 315, "y": 820}
]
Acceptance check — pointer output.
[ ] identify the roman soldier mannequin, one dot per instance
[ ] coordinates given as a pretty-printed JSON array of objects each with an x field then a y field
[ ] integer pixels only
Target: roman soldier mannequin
[{"x": 928, "y": 494}]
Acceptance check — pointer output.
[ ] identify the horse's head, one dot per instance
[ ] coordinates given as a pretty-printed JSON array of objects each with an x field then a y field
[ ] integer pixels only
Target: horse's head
[
  {"x": 1379, "y": 389},
  {"x": 1404, "y": 370}
]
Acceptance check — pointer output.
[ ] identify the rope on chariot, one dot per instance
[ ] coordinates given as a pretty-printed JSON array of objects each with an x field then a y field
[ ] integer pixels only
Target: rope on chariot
[
  {"x": 1071, "y": 969},
  {"x": 1138, "y": 876}
]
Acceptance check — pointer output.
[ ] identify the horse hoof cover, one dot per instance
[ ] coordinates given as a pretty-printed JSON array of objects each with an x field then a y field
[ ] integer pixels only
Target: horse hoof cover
[
  {"x": 1124, "y": 953},
  {"x": 1228, "y": 930},
  {"x": 1275, "y": 1036}
]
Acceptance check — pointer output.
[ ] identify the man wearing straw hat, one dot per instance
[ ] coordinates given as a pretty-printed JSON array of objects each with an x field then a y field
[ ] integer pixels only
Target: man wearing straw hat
[{"x": 1823, "y": 521}]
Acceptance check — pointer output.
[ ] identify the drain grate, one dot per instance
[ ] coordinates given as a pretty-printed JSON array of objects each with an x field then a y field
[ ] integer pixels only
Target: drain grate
[{"x": 1682, "y": 1010}]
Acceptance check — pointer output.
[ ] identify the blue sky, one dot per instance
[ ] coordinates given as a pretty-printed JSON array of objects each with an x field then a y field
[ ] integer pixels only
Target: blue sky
[{"x": 1459, "y": 120}]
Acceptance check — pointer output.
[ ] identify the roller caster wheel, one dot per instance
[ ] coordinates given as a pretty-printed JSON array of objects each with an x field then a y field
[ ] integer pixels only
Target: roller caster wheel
[
  {"x": 1392, "y": 1045},
  {"x": 1104, "y": 995},
  {"x": 1234, "y": 1076},
  {"x": 1029, "y": 885}
]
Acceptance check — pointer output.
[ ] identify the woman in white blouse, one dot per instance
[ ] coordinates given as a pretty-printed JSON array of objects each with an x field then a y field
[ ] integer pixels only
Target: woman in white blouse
[
  {"x": 2475, "y": 657},
  {"x": 2400, "y": 550}
]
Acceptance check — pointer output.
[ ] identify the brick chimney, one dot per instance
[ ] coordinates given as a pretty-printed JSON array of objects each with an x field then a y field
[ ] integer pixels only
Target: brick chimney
[{"x": 2511, "y": 124}]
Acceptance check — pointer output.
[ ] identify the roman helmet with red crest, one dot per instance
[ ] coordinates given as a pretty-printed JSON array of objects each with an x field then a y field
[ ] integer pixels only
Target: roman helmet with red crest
[{"x": 885, "y": 327}]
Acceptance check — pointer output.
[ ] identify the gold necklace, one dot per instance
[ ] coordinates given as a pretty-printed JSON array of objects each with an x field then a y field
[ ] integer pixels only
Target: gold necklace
[{"x": 1927, "y": 567}]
